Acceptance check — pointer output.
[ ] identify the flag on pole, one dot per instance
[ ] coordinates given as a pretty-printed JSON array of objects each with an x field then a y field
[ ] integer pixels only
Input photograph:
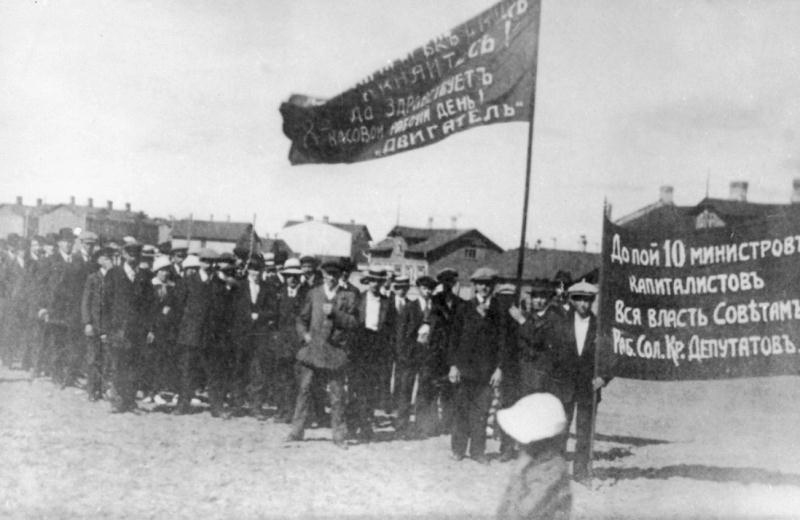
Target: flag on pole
[{"x": 480, "y": 73}]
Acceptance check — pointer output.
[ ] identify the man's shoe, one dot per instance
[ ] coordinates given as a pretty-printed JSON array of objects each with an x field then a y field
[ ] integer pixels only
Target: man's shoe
[
  {"x": 482, "y": 460},
  {"x": 456, "y": 457},
  {"x": 293, "y": 437}
]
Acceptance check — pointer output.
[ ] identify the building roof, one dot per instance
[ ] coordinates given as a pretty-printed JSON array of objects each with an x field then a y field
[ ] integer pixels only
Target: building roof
[
  {"x": 210, "y": 230},
  {"x": 353, "y": 227},
  {"x": 545, "y": 263},
  {"x": 664, "y": 219},
  {"x": 32, "y": 211},
  {"x": 100, "y": 212},
  {"x": 425, "y": 241}
]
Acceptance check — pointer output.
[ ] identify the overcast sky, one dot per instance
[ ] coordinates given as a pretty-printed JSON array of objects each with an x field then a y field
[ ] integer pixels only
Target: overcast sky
[{"x": 173, "y": 107}]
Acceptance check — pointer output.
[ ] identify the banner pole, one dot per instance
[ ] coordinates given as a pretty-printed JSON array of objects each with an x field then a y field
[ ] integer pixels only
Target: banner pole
[
  {"x": 603, "y": 252},
  {"x": 526, "y": 195}
]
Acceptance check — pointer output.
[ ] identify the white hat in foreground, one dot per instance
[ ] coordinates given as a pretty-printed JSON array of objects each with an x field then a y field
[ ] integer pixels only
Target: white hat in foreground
[{"x": 533, "y": 418}]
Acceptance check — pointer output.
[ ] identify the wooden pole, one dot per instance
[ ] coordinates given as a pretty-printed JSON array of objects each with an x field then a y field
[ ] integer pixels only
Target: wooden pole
[
  {"x": 526, "y": 194},
  {"x": 597, "y": 338}
]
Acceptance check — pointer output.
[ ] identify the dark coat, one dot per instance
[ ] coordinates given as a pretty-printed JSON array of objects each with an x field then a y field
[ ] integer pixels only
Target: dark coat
[
  {"x": 265, "y": 307},
  {"x": 326, "y": 350},
  {"x": 164, "y": 312},
  {"x": 288, "y": 340},
  {"x": 409, "y": 320},
  {"x": 571, "y": 374},
  {"x": 194, "y": 301},
  {"x": 221, "y": 313},
  {"x": 367, "y": 346},
  {"x": 128, "y": 303},
  {"x": 477, "y": 343},
  {"x": 444, "y": 308},
  {"x": 94, "y": 303}
]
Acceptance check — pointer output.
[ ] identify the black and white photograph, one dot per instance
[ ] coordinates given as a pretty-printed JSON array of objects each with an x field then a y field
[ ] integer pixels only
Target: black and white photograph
[{"x": 463, "y": 259}]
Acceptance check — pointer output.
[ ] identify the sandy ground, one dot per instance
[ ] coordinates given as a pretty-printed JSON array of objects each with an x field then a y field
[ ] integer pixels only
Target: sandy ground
[{"x": 725, "y": 450}]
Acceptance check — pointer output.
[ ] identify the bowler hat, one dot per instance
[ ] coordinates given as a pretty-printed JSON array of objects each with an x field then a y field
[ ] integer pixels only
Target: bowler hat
[
  {"x": 207, "y": 253},
  {"x": 103, "y": 251},
  {"x": 65, "y": 234},
  {"x": 448, "y": 273},
  {"x": 308, "y": 259},
  {"x": 541, "y": 287},
  {"x": 255, "y": 264},
  {"x": 564, "y": 277},
  {"x": 133, "y": 249},
  {"x": 165, "y": 248},
  {"x": 331, "y": 267},
  {"x": 535, "y": 417}
]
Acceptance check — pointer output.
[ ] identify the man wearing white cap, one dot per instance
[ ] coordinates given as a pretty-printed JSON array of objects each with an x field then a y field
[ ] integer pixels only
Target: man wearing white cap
[
  {"x": 572, "y": 373},
  {"x": 539, "y": 486}
]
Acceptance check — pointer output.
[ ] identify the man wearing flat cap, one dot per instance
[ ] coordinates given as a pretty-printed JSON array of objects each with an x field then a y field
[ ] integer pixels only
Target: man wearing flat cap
[
  {"x": 476, "y": 356},
  {"x": 445, "y": 305},
  {"x": 324, "y": 320},
  {"x": 572, "y": 369}
]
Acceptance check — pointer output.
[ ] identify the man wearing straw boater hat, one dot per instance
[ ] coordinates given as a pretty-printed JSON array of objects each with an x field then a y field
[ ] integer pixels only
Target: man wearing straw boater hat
[
  {"x": 287, "y": 343},
  {"x": 572, "y": 371}
]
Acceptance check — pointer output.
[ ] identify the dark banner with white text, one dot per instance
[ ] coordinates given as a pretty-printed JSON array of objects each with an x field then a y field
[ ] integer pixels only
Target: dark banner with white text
[
  {"x": 482, "y": 72},
  {"x": 716, "y": 303}
]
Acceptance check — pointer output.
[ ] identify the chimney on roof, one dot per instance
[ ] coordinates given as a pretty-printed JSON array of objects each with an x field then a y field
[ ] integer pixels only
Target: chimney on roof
[
  {"x": 128, "y": 207},
  {"x": 227, "y": 218},
  {"x": 211, "y": 217},
  {"x": 72, "y": 200},
  {"x": 352, "y": 222},
  {"x": 430, "y": 222},
  {"x": 110, "y": 204},
  {"x": 19, "y": 200},
  {"x": 38, "y": 202},
  {"x": 739, "y": 191},
  {"x": 453, "y": 221},
  {"x": 665, "y": 195},
  {"x": 309, "y": 218},
  {"x": 796, "y": 191},
  {"x": 325, "y": 219},
  {"x": 91, "y": 202}
]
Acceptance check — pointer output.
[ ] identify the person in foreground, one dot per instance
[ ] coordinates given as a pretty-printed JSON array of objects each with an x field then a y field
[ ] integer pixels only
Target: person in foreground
[{"x": 539, "y": 485}]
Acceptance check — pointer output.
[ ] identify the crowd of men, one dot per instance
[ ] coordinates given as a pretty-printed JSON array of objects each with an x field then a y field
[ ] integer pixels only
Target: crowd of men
[{"x": 297, "y": 342}]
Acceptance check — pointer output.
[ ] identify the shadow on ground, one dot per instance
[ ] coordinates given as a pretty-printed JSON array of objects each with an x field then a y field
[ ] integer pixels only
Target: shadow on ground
[{"x": 700, "y": 472}]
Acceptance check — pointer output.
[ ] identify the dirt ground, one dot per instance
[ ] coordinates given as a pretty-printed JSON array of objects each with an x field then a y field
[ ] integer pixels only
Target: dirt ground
[{"x": 726, "y": 449}]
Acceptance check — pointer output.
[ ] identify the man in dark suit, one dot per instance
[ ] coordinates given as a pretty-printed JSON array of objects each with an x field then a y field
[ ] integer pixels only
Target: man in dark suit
[
  {"x": 445, "y": 307},
  {"x": 255, "y": 317},
  {"x": 369, "y": 350},
  {"x": 572, "y": 369},
  {"x": 218, "y": 351},
  {"x": 415, "y": 361},
  {"x": 287, "y": 342},
  {"x": 193, "y": 300},
  {"x": 325, "y": 318},
  {"x": 128, "y": 299},
  {"x": 477, "y": 353},
  {"x": 95, "y": 317}
]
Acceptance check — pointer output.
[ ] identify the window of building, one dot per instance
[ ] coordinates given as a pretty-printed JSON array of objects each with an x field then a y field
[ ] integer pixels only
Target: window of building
[{"x": 470, "y": 252}]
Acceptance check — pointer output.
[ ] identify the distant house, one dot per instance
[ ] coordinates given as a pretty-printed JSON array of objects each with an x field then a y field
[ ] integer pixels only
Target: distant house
[
  {"x": 545, "y": 263},
  {"x": 221, "y": 236},
  {"x": 21, "y": 219},
  {"x": 663, "y": 218},
  {"x": 418, "y": 251},
  {"x": 327, "y": 239},
  {"x": 106, "y": 222}
]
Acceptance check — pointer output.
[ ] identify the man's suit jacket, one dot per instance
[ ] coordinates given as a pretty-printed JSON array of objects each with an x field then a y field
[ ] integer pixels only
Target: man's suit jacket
[
  {"x": 369, "y": 346},
  {"x": 571, "y": 373},
  {"x": 288, "y": 340},
  {"x": 265, "y": 307},
  {"x": 477, "y": 343},
  {"x": 94, "y": 304},
  {"x": 409, "y": 320},
  {"x": 128, "y": 303},
  {"x": 326, "y": 349},
  {"x": 194, "y": 301}
]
